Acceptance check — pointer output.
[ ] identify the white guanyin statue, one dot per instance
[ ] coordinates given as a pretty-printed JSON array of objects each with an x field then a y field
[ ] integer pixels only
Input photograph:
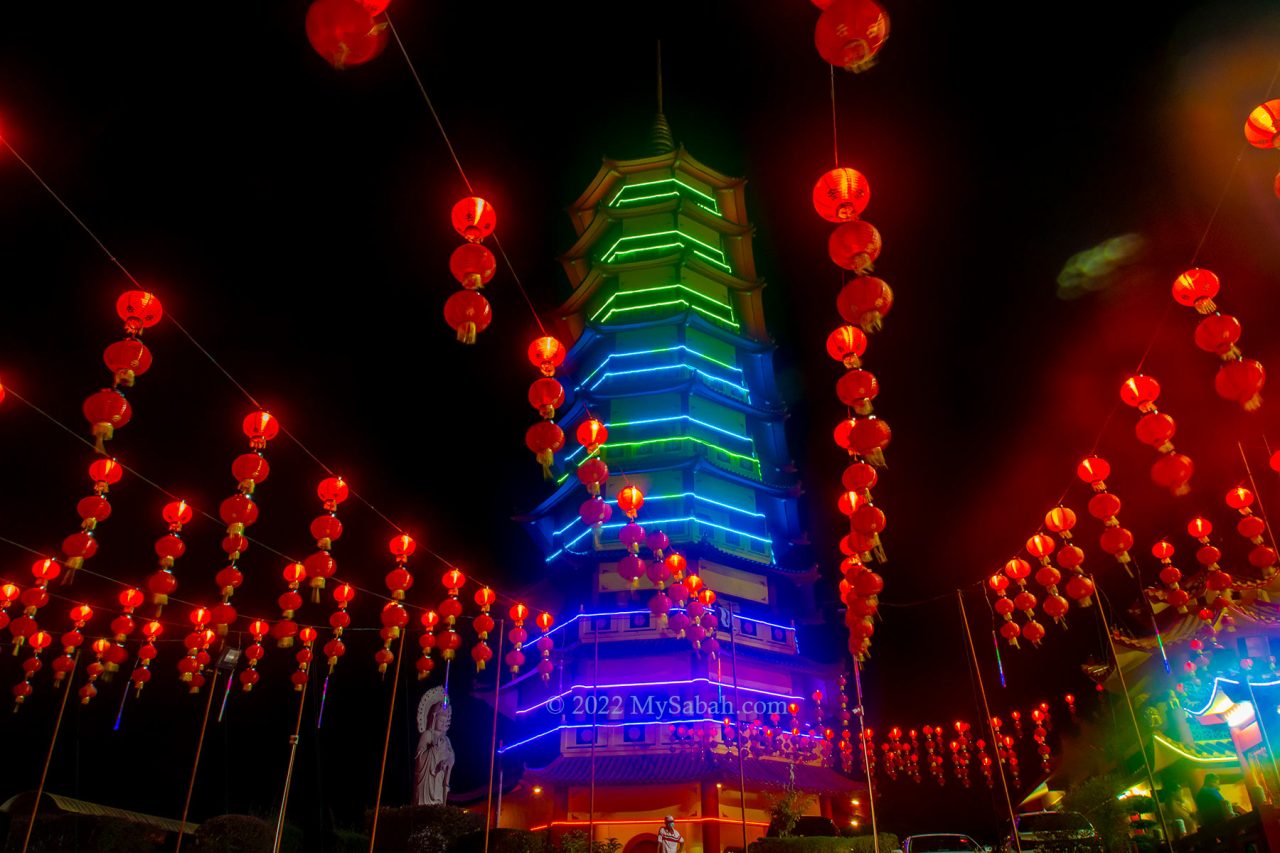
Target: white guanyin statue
[{"x": 434, "y": 762}]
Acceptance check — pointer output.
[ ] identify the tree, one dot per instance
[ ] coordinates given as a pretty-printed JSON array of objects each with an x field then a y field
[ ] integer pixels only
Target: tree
[{"x": 1095, "y": 798}]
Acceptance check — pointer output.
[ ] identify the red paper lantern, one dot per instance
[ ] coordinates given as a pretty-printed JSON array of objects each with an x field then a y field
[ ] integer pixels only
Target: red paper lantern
[
  {"x": 474, "y": 218},
  {"x": 1241, "y": 382},
  {"x": 127, "y": 359},
  {"x": 630, "y": 499},
  {"x": 857, "y": 389},
  {"x": 846, "y": 345},
  {"x": 467, "y": 313},
  {"x": 472, "y": 265},
  {"x": 139, "y": 310},
  {"x": 1172, "y": 471},
  {"x": 261, "y": 427},
  {"x": 546, "y": 353},
  {"x": 1218, "y": 334},
  {"x": 106, "y": 410},
  {"x": 591, "y": 434},
  {"x": 344, "y": 32},
  {"x": 854, "y": 246},
  {"x": 1139, "y": 391},
  {"x": 864, "y": 302},
  {"x": 841, "y": 195},
  {"x": 850, "y": 33},
  {"x": 1262, "y": 128},
  {"x": 1196, "y": 288},
  {"x": 546, "y": 395},
  {"x": 544, "y": 438}
]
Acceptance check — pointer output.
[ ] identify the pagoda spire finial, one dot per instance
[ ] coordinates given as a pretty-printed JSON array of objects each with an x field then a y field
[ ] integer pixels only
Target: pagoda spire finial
[{"x": 660, "y": 139}]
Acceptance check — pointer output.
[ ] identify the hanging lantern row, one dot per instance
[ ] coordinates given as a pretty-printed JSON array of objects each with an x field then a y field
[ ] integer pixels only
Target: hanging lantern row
[
  {"x": 546, "y": 394},
  {"x": 240, "y": 511},
  {"x": 347, "y": 32},
  {"x": 1262, "y": 129},
  {"x": 1252, "y": 527},
  {"x": 1239, "y": 379},
  {"x": 850, "y": 33},
  {"x": 107, "y": 410},
  {"x": 1105, "y": 507},
  {"x": 840, "y": 196},
  {"x": 1172, "y": 470},
  {"x": 467, "y": 311}
]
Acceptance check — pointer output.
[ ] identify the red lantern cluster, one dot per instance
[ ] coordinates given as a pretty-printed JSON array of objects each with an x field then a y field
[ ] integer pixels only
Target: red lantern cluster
[
  {"x": 169, "y": 547},
  {"x": 253, "y": 653},
  {"x": 197, "y": 642},
  {"x": 339, "y": 621},
  {"x": 347, "y": 32},
  {"x": 841, "y": 195},
  {"x": 1172, "y": 470},
  {"x": 467, "y": 311},
  {"x": 1217, "y": 582},
  {"x": 1262, "y": 129},
  {"x": 483, "y": 624},
  {"x": 107, "y": 410},
  {"x": 240, "y": 511},
  {"x": 33, "y": 598},
  {"x": 1105, "y": 507},
  {"x": 430, "y": 620},
  {"x": 850, "y": 33},
  {"x": 546, "y": 394},
  {"x": 515, "y": 658},
  {"x": 394, "y": 616},
  {"x": 545, "y": 644},
  {"x": 71, "y": 641},
  {"x": 37, "y": 641},
  {"x": 1239, "y": 379},
  {"x": 1170, "y": 576},
  {"x": 1262, "y": 556},
  {"x": 593, "y": 473},
  {"x": 450, "y": 608}
]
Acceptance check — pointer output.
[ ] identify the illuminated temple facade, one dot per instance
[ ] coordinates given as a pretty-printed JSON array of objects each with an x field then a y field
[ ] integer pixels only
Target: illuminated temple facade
[{"x": 670, "y": 350}]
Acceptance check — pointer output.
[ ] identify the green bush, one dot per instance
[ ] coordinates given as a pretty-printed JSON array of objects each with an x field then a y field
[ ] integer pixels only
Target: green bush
[
  {"x": 503, "y": 841},
  {"x": 60, "y": 832},
  {"x": 575, "y": 841},
  {"x": 349, "y": 841},
  {"x": 824, "y": 844},
  {"x": 422, "y": 829},
  {"x": 235, "y": 833}
]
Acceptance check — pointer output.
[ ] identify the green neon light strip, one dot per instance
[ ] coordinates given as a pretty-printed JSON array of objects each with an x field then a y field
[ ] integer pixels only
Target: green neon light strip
[
  {"x": 618, "y": 198},
  {"x": 677, "y": 286},
  {"x": 755, "y": 462},
  {"x": 614, "y": 252},
  {"x": 683, "y": 302},
  {"x": 1199, "y": 759}
]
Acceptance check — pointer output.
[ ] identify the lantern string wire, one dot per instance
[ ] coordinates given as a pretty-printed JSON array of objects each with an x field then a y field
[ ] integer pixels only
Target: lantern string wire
[
  {"x": 225, "y": 372},
  {"x": 835, "y": 144},
  {"x": 422, "y": 89}
]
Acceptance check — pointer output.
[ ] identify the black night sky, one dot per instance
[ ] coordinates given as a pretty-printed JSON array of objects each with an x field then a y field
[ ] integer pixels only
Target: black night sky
[{"x": 295, "y": 219}]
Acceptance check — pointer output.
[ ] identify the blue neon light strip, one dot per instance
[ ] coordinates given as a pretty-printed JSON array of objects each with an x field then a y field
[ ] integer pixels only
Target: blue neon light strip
[
  {"x": 561, "y": 728},
  {"x": 657, "y": 351},
  {"x": 612, "y": 613},
  {"x": 656, "y": 521},
  {"x": 708, "y": 376},
  {"x": 693, "y": 495},
  {"x": 1219, "y": 681},
  {"x": 706, "y": 681},
  {"x": 688, "y": 418}
]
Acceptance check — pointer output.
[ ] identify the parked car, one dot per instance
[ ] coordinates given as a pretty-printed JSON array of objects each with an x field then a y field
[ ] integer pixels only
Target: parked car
[
  {"x": 942, "y": 842},
  {"x": 808, "y": 826},
  {"x": 1053, "y": 832}
]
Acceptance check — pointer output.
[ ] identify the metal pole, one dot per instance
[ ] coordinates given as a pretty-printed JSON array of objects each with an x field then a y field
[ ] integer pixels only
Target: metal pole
[
  {"x": 493, "y": 749},
  {"x": 1137, "y": 730},
  {"x": 991, "y": 726},
  {"x": 595, "y": 734},
  {"x": 382, "y": 773},
  {"x": 195, "y": 765},
  {"x": 737, "y": 703},
  {"x": 497, "y": 817},
  {"x": 288, "y": 776},
  {"x": 1261, "y": 728},
  {"x": 44, "y": 774},
  {"x": 866, "y": 759}
]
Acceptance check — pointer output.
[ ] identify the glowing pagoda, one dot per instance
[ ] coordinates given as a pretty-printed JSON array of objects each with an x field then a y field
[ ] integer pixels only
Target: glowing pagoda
[{"x": 670, "y": 350}]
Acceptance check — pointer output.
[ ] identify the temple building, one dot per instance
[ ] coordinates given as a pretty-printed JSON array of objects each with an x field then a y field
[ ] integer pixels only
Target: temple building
[{"x": 669, "y": 349}]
